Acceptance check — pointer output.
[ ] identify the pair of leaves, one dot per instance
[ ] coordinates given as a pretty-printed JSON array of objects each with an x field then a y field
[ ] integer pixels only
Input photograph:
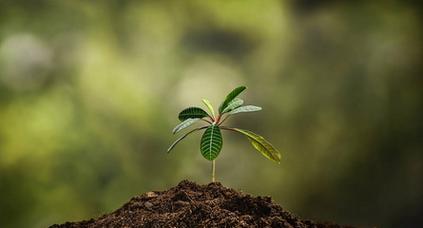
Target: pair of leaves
[
  {"x": 231, "y": 96},
  {"x": 233, "y": 105},
  {"x": 230, "y": 103}
]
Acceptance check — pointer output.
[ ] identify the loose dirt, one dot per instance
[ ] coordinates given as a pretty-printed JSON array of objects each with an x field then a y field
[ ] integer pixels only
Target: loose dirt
[{"x": 192, "y": 205}]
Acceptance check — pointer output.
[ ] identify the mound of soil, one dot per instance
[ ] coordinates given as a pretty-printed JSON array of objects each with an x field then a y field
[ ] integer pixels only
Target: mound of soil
[{"x": 192, "y": 205}]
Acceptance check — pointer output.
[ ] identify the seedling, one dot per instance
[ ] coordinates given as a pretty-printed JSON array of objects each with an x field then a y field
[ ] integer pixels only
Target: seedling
[{"x": 211, "y": 141}]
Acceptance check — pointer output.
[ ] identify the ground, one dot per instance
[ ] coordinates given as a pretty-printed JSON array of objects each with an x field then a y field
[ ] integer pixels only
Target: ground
[{"x": 191, "y": 205}]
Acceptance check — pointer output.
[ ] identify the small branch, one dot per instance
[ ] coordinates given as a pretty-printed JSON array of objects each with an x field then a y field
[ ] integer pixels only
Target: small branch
[
  {"x": 224, "y": 119},
  {"x": 214, "y": 170},
  {"x": 228, "y": 128},
  {"x": 182, "y": 137},
  {"x": 206, "y": 121}
]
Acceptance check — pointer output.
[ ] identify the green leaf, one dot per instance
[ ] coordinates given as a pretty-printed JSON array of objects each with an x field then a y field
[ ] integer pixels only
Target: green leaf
[
  {"x": 211, "y": 142},
  {"x": 192, "y": 112},
  {"x": 209, "y": 106},
  {"x": 246, "y": 108},
  {"x": 261, "y": 145},
  {"x": 235, "y": 103},
  {"x": 184, "y": 124},
  {"x": 234, "y": 93},
  {"x": 182, "y": 137}
]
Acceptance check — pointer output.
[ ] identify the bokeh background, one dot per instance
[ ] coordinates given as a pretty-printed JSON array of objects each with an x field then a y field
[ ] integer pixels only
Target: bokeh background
[{"x": 90, "y": 91}]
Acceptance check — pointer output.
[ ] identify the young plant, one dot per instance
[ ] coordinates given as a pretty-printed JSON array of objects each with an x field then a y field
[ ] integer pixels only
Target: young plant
[{"x": 211, "y": 141}]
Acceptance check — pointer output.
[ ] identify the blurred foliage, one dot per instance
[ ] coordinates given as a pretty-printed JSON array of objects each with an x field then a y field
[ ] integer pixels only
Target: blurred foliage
[{"x": 89, "y": 91}]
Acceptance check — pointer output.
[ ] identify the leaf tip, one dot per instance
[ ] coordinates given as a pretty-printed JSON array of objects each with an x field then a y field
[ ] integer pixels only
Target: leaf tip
[{"x": 242, "y": 88}]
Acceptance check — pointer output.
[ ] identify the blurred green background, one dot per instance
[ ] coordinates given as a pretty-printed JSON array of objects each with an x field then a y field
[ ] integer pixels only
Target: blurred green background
[{"x": 90, "y": 91}]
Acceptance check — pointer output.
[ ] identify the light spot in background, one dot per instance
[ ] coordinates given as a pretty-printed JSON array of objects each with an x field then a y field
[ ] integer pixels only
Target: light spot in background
[
  {"x": 118, "y": 89},
  {"x": 25, "y": 61},
  {"x": 207, "y": 79},
  {"x": 35, "y": 128}
]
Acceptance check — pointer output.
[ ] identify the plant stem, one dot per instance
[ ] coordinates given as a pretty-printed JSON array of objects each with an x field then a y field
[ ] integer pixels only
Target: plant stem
[
  {"x": 226, "y": 117},
  {"x": 213, "y": 170},
  {"x": 228, "y": 128},
  {"x": 217, "y": 119},
  {"x": 206, "y": 121}
]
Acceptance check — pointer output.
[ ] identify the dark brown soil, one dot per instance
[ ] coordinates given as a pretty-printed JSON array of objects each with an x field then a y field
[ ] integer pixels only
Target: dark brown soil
[{"x": 192, "y": 205}]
